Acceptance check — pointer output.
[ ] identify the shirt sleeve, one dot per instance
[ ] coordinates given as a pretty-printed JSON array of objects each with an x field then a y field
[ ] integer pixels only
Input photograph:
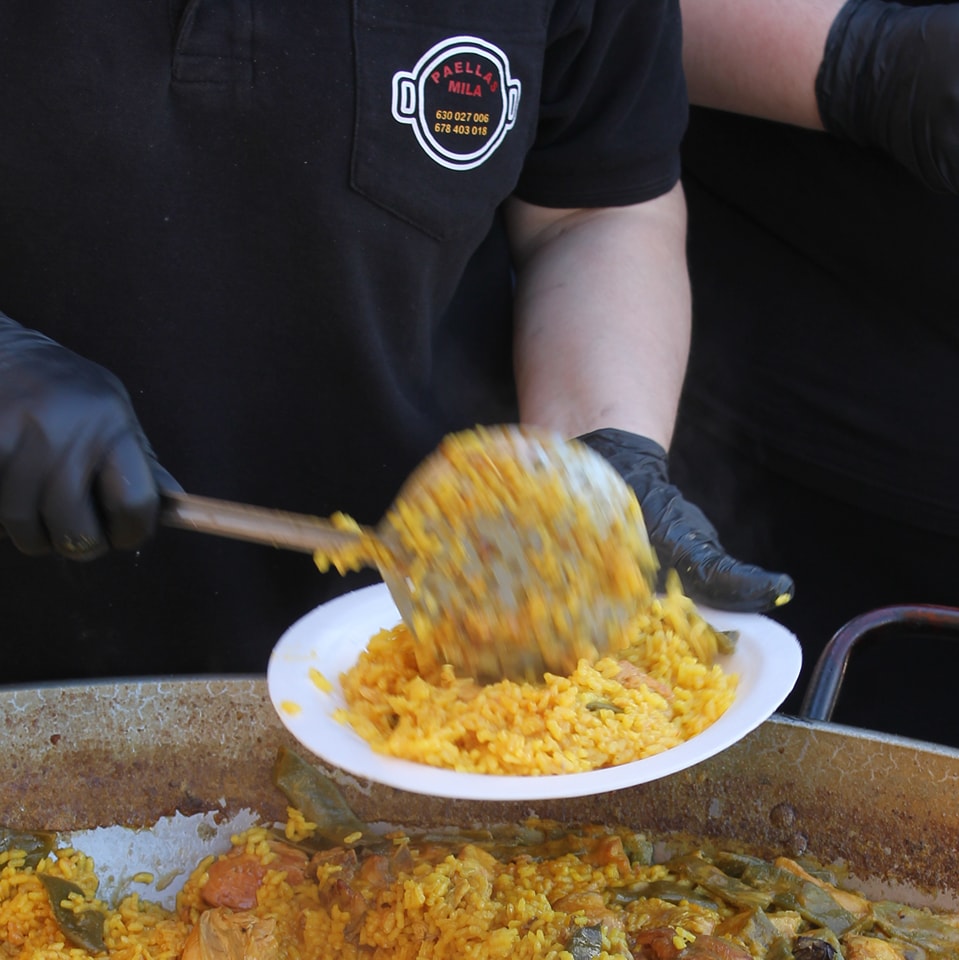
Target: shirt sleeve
[{"x": 613, "y": 106}]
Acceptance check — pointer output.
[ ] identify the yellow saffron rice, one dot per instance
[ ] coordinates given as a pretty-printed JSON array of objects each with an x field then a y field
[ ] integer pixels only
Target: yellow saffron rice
[
  {"x": 414, "y": 900},
  {"x": 411, "y": 694},
  {"x": 659, "y": 691},
  {"x": 541, "y": 891}
]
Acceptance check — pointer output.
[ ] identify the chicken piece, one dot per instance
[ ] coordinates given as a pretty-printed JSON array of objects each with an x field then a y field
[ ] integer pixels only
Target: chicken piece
[
  {"x": 376, "y": 872},
  {"x": 667, "y": 943},
  {"x": 221, "y": 934},
  {"x": 353, "y": 885},
  {"x": 233, "y": 880},
  {"x": 859, "y": 947},
  {"x": 591, "y": 905},
  {"x": 632, "y": 678},
  {"x": 657, "y": 943},
  {"x": 604, "y": 851},
  {"x": 713, "y": 948},
  {"x": 787, "y": 923},
  {"x": 343, "y": 858}
]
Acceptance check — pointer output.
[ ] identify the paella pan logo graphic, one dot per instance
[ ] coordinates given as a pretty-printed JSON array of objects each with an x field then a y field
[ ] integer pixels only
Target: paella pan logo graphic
[{"x": 459, "y": 99}]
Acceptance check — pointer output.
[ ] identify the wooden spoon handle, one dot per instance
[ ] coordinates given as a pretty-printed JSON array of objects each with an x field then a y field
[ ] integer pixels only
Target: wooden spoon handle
[{"x": 240, "y": 521}]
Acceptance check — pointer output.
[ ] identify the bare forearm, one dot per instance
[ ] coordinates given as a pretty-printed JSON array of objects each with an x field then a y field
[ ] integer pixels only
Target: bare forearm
[
  {"x": 757, "y": 57},
  {"x": 602, "y": 308}
]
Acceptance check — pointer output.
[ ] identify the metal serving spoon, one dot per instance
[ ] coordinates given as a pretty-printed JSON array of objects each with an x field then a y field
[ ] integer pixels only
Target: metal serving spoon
[{"x": 509, "y": 552}]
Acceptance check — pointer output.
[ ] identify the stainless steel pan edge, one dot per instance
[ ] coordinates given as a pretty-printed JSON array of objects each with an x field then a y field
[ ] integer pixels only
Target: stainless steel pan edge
[{"x": 82, "y": 755}]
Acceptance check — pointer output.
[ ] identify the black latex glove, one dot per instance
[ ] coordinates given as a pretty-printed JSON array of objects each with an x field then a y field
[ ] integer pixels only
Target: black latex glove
[
  {"x": 684, "y": 540},
  {"x": 890, "y": 79},
  {"x": 77, "y": 475}
]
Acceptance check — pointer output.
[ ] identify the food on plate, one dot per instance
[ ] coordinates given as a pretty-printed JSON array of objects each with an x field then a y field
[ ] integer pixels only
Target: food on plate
[
  {"x": 664, "y": 687},
  {"x": 525, "y": 891}
]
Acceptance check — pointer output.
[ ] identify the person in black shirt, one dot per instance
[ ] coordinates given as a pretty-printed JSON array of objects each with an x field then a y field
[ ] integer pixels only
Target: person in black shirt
[
  {"x": 816, "y": 426},
  {"x": 282, "y": 254}
]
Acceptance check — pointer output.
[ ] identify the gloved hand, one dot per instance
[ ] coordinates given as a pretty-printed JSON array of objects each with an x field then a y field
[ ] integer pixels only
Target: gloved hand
[
  {"x": 77, "y": 475},
  {"x": 684, "y": 540},
  {"x": 889, "y": 79}
]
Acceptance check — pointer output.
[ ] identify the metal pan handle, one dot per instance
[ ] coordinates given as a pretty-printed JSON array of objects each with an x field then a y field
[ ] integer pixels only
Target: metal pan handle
[{"x": 822, "y": 692}]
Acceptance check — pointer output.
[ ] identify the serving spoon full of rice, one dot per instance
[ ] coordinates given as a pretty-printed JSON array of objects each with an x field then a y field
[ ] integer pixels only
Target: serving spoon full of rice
[{"x": 510, "y": 552}]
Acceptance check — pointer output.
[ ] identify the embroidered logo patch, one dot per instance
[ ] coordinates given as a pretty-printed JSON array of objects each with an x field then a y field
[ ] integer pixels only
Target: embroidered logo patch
[{"x": 459, "y": 99}]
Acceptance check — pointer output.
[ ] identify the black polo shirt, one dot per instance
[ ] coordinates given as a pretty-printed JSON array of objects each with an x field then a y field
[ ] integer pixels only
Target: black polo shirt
[{"x": 278, "y": 225}]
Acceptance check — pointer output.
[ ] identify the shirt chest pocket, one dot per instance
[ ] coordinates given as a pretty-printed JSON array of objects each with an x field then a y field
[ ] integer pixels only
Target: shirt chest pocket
[{"x": 445, "y": 109}]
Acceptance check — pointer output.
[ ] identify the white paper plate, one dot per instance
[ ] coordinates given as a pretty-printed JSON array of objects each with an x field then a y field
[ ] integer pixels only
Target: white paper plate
[{"x": 331, "y": 637}]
